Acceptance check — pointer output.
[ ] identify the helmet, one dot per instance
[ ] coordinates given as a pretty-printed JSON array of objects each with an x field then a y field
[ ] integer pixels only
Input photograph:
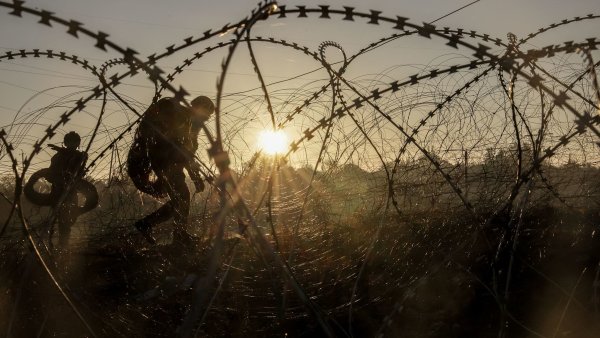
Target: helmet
[
  {"x": 203, "y": 106},
  {"x": 72, "y": 140}
]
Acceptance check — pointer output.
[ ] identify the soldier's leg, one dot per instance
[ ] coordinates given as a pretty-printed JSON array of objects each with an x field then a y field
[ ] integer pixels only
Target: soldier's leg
[
  {"x": 55, "y": 195},
  {"x": 66, "y": 217},
  {"x": 162, "y": 214},
  {"x": 180, "y": 196}
]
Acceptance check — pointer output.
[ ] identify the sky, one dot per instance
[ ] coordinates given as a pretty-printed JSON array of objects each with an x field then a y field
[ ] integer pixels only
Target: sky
[{"x": 149, "y": 26}]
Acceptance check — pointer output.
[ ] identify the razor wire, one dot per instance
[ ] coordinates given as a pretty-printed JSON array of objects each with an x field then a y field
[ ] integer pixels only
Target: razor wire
[{"x": 358, "y": 115}]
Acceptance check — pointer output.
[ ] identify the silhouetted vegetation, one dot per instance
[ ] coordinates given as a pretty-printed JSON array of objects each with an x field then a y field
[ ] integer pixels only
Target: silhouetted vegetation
[{"x": 433, "y": 270}]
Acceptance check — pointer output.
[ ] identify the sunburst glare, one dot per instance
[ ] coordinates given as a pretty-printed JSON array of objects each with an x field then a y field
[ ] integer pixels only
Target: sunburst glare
[{"x": 273, "y": 142}]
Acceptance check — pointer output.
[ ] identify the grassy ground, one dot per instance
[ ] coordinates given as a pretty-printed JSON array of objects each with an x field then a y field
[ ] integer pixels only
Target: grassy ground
[{"x": 435, "y": 276}]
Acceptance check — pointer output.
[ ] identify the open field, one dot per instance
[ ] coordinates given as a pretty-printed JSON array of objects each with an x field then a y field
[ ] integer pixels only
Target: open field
[{"x": 366, "y": 174}]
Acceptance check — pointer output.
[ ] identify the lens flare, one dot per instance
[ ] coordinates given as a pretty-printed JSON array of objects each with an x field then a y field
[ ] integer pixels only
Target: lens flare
[{"x": 273, "y": 142}]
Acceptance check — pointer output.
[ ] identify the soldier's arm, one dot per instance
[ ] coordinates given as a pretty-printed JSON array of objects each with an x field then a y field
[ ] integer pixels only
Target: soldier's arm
[
  {"x": 193, "y": 169},
  {"x": 54, "y": 147}
]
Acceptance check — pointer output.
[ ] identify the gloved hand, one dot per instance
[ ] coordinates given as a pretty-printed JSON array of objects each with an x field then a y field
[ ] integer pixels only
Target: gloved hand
[{"x": 199, "y": 184}]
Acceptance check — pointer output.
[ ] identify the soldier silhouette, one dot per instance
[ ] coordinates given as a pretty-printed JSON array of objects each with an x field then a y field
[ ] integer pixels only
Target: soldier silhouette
[
  {"x": 66, "y": 169},
  {"x": 165, "y": 144},
  {"x": 65, "y": 174}
]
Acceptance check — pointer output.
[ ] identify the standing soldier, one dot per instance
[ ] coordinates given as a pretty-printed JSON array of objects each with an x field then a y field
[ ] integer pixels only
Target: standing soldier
[
  {"x": 66, "y": 169},
  {"x": 65, "y": 174},
  {"x": 165, "y": 143}
]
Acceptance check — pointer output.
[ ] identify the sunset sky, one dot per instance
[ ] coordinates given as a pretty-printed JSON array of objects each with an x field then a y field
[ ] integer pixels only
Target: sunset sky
[{"x": 149, "y": 26}]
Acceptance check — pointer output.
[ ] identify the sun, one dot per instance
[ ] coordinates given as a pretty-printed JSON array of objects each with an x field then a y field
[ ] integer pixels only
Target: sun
[{"x": 273, "y": 142}]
